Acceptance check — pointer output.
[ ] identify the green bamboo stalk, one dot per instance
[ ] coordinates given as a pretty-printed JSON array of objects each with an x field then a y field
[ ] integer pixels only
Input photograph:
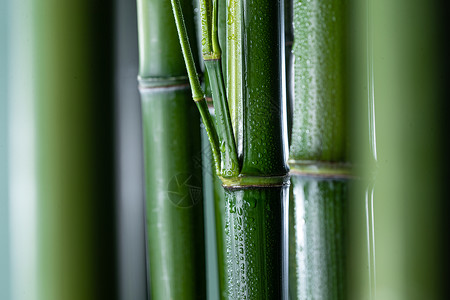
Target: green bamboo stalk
[
  {"x": 259, "y": 242},
  {"x": 213, "y": 190},
  {"x": 288, "y": 41},
  {"x": 317, "y": 244},
  {"x": 255, "y": 203},
  {"x": 61, "y": 150},
  {"x": 253, "y": 238},
  {"x": 362, "y": 284},
  {"x": 408, "y": 59},
  {"x": 318, "y": 155},
  {"x": 234, "y": 75},
  {"x": 74, "y": 142},
  {"x": 175, "y": 236}
]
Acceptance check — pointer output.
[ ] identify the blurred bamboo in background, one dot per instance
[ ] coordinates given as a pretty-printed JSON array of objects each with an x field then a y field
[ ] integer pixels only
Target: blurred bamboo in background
[
  {"x": 4, "y": 197},
  {"x": 131, "y": 241},
  {"x": 399, "y": 65},
  {"x": 61, "y": 151},
  {"x": 64, "y": 152}
]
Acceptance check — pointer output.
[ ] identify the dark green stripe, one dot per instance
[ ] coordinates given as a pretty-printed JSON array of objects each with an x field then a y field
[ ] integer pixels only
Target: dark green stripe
[
  {"x": 253, "y": 240},
  {"x": 263, "y": 152}
]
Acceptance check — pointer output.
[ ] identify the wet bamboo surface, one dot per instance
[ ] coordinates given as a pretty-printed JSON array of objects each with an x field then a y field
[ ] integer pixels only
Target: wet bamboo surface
[{"x": 318, "y": 156}]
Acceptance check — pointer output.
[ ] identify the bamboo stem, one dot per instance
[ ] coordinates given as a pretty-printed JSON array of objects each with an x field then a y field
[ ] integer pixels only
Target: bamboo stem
[
  {"x": 264, "y": 168},
  {"x": 253, "y": 240},
  {"x": 174, "y": 207},
  {"x": 230, "y": 165},
  {"x": 317, "y": 244},
  {"x": 211, "y": 53},
  {"x": 318, "y": 151},
  {"x": 255, "y": 203},
  {"x": 235, "y": 74},
  {"x": 263, "y": 116}
]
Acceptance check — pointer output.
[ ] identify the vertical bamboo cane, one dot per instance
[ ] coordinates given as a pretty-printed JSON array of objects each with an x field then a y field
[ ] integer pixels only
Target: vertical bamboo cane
[
  {"x": 171, "y": 125},
  {"x": 318, "y": 152},
  {"x": 410, "y": 194},
  {"x": 61, "y": 147},
  {"x": 255, "y": 206},
  {"x": 74, "y": 136},
  {"x": 255, "y": 187}
]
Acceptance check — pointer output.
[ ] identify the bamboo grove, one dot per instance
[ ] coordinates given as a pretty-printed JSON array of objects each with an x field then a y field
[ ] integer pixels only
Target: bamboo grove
[
  {"x": 248, "y": 138},
  {"x": 294, "y": 149},
  {"x": 265, "y": 185}
]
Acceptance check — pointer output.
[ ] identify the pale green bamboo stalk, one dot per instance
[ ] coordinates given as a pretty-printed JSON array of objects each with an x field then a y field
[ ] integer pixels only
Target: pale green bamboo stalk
[
  {"x": 408, "y": 193},
  {"x": 61, "y": 146}
]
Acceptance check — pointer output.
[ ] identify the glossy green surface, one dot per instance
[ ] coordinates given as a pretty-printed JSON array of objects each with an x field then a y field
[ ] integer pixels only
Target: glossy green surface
[
  {"x": 288, "y": 41},
  {"x": 317, "y": 238},
  {"x": 222, "y": 34},
  {"x": 210, "y": 129},
  {"x": 319, "y": 113},
  {"x": 318, "y": 155},
  {"x": 174, "y": 203},
  {"x": 263, "y": 124},
  {"x": 410, "y": 198},
  {"x": 159, "y": 48},
  {"x": 229, "y": 163},
  {"x": 212, "y": 195},
  {"x": 219, "y": 213},
  {"x": 253, "y": 243},
  {"x": 234, "y": 64},
  {"x": 206, "y": 25},
  {"x": 186, "y": 50}
]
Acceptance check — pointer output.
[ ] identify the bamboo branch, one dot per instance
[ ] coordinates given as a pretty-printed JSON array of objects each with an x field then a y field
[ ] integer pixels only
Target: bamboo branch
[
  {"x": 197, "y": 93},
  {"x": 229, "y": 165}
]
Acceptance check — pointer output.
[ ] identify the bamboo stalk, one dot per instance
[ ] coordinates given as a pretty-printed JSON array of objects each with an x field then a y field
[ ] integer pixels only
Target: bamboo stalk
[
  {"x": 410, "y": 193},
  {"x": 255, "y": 209},
  {"x": 212, "y": 193},
  {"x": 318, "y": 152},
  {"x": 262, "y": 180},
  {"x": 175, "y": 234},
  {"x": 61, "y": 151}
]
